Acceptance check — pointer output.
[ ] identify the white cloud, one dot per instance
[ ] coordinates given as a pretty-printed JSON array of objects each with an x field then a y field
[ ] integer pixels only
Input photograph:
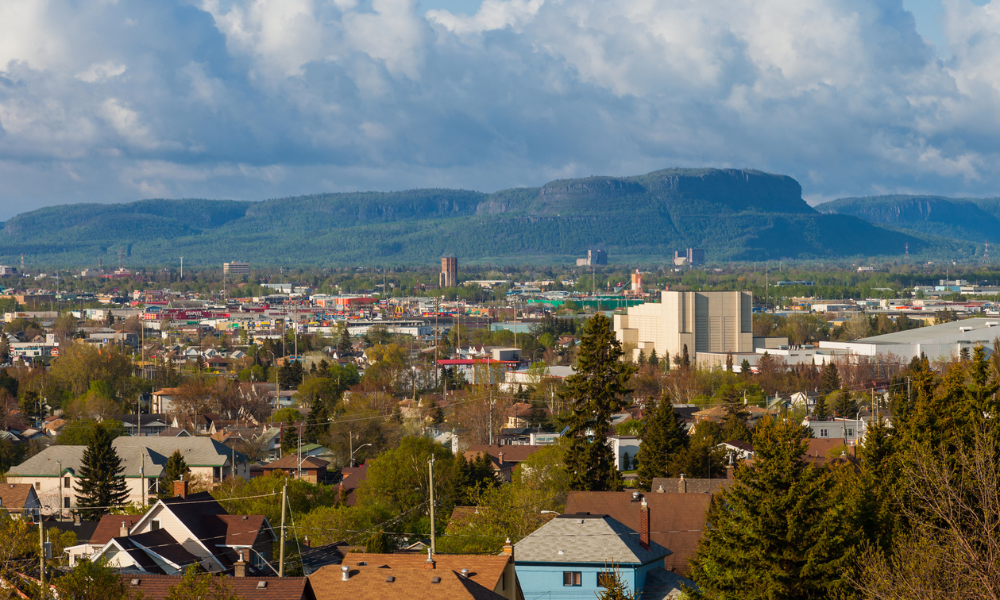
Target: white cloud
[{"x": 262, "y": 98}]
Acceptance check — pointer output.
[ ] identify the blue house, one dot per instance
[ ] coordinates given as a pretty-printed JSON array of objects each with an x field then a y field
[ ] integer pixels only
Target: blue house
[{"x": 570, "y": 556}]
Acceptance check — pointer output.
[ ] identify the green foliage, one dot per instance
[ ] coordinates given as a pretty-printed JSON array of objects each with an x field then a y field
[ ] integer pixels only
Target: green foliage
[
  {"x": 175, "y": 468},
  {"x": 204, "y": 586},
  {"x": 11, "y": 453},
  {"x": 781, "y": 530},
  {"x": 830, "y": 380},
  {"x": 91, "y": 581},
  {"x": 820, "y": 409},
  {"x": 100, "y": 483},
  {"x": 596, "y": 391},
  {"x": 81, "y": 432},
  {"x": 262, "y": 496},
  {"x": 662, "y": 439},
  {"x": 615, "y": 587},
  {"x": 317, "y": 423}
]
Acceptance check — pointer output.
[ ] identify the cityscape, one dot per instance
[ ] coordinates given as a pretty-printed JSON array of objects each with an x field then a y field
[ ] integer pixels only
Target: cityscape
[{"x": 499, "y": 300}]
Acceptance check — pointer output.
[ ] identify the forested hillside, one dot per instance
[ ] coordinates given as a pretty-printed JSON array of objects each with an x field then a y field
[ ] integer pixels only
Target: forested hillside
[
  {"x": 733, "y": 214},
  {"x": 969, "y": 219}
]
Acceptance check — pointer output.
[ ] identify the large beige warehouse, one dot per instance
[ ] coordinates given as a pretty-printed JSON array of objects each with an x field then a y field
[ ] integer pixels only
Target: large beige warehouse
[{"x": 703, "y": 321}]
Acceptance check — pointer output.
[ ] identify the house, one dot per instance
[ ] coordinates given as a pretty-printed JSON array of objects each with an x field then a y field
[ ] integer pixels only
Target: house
[
  {"x": 157, "y": 587},
  {"x": 503, "y": 458},
  {"x": 20, "y": 500},
  {"x": 312, "y": 469},
  {"x": 625, "y": 447},
  {"x": 148, "y": 424},
  {"x": 690, "y": 485},
  {"x": 163, "y": 400},
  {"x": 83, "y": 530},
  {"x": 553, "y": 561},
  {"x": 737, "y": 450},
  {"x": 364, "y": 576},
  {"x": 676, "y": 520},
  {"x": 103, "y": 532},
  {"x": 190, "y": 529},
  {"x": 53, "y": 472}
]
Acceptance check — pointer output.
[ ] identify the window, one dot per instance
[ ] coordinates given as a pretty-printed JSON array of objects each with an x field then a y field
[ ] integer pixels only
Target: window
[
  {"x": 823, "y": 433},
  {"x": 154, "y": 524},
  {"x": 66, "y": 482},
  {"x": 850, "y": 433},
  {"x": 65, "y": 502},
  {"x": 38, "y": 485},
  {"x": 572, "y": 578},
  {"x": 605, "y": 580}
]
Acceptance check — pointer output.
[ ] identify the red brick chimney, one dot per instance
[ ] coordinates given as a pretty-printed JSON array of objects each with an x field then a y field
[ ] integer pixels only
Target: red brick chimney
[
  {"x": 500, "y": 460},
  {"x": 181, "y": 488},
  {"x": 429, "y": 563},
  {"x": 682, "y": 486},
  {"x": 644, "y": 525},
  {"x": 508, "y": 549},
  {"x": 240, "y": 567}
]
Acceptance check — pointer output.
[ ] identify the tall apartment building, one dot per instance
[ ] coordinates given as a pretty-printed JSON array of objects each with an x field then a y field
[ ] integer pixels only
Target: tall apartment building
[
  {"x": 236, "y": 268},
  {"x": 449, "y": 272},
  {"x": 702, "y": 321}
]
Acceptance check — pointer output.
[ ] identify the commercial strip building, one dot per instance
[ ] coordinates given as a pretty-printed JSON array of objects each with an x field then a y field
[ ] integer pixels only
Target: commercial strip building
[{"x": 936, "y": 341}]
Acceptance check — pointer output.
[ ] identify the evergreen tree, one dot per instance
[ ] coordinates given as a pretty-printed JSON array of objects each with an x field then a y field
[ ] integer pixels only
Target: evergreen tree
[
  {"x": 642, "y": 358},
  {"x": 845, "y": 405},
  {"x": 595, "y": 392},
  {"x": 318, "y": 422},
  {"x": 821, "y": 411},
  {"x": 780, "y": 532},
  {"x": 685, "y": 358},
  {"x": 829, "y": 381},
  {"x": 100, "y": 483},
  {"x": 701, "y": 457},
  {"x": 653, "y": 358},
  {"x": 344, "y": 345},
  {"x": 729, "y": 362},
  {"x": 662, "y": 437},
  {"x": 4, "y": 349},
  {"x": 289, "y": 438},
  {"x": 735, "y": 426},
  {"x": 745, "y": 369},
  {"x": 175, "y": 468}
]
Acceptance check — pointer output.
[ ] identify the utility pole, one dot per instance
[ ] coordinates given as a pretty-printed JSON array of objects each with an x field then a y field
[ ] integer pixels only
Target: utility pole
[
  {"x": 59, "y": 464},
  {"x": 281, "y": 548},
  {"x": 430, "y": 466},
  {"x": 491, "y": 407},
  {"x": 41, "y": 544},
  {"x": 182, "y": 268}
]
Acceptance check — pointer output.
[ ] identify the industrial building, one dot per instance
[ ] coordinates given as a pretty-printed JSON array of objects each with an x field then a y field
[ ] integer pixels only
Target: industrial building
[
  {"x": 449, "y": 272},
  {"x": 594, "y": 258},
  {"x": 716, "y": 322},
  {"x": 236, "y": 268},
  {"x": 937, "y": 341},
  {"x": 689, "y": 257}
]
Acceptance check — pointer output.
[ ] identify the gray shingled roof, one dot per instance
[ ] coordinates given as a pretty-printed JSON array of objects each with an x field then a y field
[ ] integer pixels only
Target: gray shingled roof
[
  {"x": 586, "y": 538},
  {"x": 152, "y": 451}
]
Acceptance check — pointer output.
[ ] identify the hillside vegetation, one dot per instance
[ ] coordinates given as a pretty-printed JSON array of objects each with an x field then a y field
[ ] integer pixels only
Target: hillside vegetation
[{"x": 733, "y": 214}]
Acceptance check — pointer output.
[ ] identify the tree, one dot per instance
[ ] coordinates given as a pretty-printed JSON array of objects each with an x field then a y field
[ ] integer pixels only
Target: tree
[
  {"x": 344, "y": 345},
  {"x": 821, "y": 411},
  {"x": 595, "y": 391},
  {"x": 100, "y": 484},
  {"x": 661, "y": 439},
  {"x": 642, "y": 358},
  {"x": 175, "y": 468},
  {"x": 204, "y": 586},
  {"x": 289, "y": 437},
  {"x": 4, "y": 349},
  {"x": 685, "y": 358},
  {"x": 318, "y": 422},
  {"x": 844, "y": 403},
  {"x": 92, "y": 581},
  {"x": 830, "y": 380},
  {"x": 614, "y": 586},
  {"x": 653, "y": 358},
  {"x": 745, "y": 369},
  {"x": 780, "y": 531}
]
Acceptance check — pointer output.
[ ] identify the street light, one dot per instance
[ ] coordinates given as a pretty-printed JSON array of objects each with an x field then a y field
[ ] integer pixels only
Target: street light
[{"x": 351, "y": 448}]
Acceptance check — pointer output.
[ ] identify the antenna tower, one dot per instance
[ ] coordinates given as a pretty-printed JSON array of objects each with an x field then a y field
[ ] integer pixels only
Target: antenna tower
[
  {"x": 22, "y": 263},
  {"x": 907, "y": 249},
  {"x": 986, "y": 252},
  {"x": 121, "y": 253}
]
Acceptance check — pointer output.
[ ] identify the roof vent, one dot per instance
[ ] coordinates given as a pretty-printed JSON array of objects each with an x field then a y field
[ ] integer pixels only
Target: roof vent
[
  {"x": 261, "y": 585},
  {"x": 635, "y": 496},
  {"x": 992, "y": 323},
  {"x": 135, "y": 582},
  {"x": 390, "y": 579},
  {"x": 362, "y": 564},
  {"x": 965, "y": 329},
  {"x": 345, "y": 573},
  {"x": 579, "y": 521},
  {"x": 465, "y": 573},
  {"x": 435, "y": 580}
]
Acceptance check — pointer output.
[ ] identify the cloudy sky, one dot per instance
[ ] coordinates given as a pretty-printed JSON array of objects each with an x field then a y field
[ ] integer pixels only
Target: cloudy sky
[{"x": 115, "y": 100}]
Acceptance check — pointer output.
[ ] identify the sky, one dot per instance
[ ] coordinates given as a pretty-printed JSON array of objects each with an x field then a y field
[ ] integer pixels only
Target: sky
[{"x": 118, "y": 100}]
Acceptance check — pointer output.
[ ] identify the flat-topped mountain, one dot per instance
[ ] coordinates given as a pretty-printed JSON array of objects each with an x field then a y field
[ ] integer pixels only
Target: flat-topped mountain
[{"x": 732, "y": 214}]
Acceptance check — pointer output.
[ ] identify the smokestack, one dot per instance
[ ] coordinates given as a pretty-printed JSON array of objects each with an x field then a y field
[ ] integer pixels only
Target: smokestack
[
  {"x": 181, "y": 488},
  {"x": 240, "y": 567},
  {"x": 429, "y": 563},
  {"x": 644, "y": 525},
  {"x": 508, "y": 549}
]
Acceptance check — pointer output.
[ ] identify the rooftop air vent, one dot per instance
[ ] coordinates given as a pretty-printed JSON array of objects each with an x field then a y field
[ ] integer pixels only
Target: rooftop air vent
[
  {"x": 465, "y": 573},
  {"x": 261, "y": 585},
  {"x": 135, "y": 582},
  {"x": 435, "y": 580},
  {"x": 390, "y": 579}
]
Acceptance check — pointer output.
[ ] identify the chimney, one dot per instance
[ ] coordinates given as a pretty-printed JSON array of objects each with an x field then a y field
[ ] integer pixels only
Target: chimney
[
  {"x": 501, "y": 459},
  {"x": 429, "y": 563},
  {"x": 644, "y": 525},
  {"x": 508, "y": 549},
  {"x": 76, "y": 519},
  {"x": 682, "y": 485},
  {"x": 345, "y": 573},
  {"x": 181, "y": 488},
  {"x": 123, "y": 531},
  {"x": 240, "y": 567}
]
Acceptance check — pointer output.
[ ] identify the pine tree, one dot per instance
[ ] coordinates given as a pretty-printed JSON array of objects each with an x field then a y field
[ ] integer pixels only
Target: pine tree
[
  {"x": 661, "y": 438},
  {"x": 626, "y": 463},
  {"x": 653, "y": 358},
  {"x": 780, "y": 531},
  {"x": 595, "y": 391},
  {"x": 821, "y": 411},
  {"x": 685, "y": 358},
  {"x": 289, "y": 438},
  {"x": 729, "y": 362},
  {"x": 175, "y": 468},
  {"x": 344, "y": 345},
  {"x": 4, "y": 349},
  {"x": 318, "y": 422},
  {"x": 845, "y": 405},
  {"x": 745, "y": 369},
  {"x": 642, "y": 358},
  {"x": 100, "y": 483},
  {"x": 829, "y": 381}
]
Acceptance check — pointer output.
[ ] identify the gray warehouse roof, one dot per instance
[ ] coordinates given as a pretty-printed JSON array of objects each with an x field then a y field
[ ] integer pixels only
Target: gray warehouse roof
[{"x": 586, "y": 538}]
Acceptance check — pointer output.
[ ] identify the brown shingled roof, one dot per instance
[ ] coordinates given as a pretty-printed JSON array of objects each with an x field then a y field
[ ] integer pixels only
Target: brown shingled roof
[
  {"x": 110, "y": 527},
  {"x": 514, "y": 453},
  {"x": 675, "y": 520},
  {"x": 14, "y": 495},
  {"x": 291, "y": 461},
  {"x": 379, "y": 576},
  {"x": 156, "y": 587}
]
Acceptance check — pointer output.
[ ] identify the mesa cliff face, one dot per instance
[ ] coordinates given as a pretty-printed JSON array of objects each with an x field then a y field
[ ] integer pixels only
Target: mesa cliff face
[{"x": 733, "y": 214}]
